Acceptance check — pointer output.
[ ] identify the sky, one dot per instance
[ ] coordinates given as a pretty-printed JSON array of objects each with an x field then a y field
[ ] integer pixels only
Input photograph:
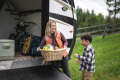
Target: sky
[{"x": 99, "y": 6}]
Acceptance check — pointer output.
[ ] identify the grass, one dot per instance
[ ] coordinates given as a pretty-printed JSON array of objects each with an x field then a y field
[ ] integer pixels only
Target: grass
[
  {"x": 107, "y": 58},
  {"x": 77, "y": 38}
]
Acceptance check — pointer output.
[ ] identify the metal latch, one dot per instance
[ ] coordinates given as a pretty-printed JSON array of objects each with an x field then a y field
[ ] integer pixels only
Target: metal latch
[{"x": 6, "y": 46}]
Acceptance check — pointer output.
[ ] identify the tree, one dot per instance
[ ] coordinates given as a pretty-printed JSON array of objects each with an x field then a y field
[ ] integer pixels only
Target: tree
[
  {"x": 116, "y": 8},
  {"x": 79, "y": 15},
  {"x": 100, "y": 20}
]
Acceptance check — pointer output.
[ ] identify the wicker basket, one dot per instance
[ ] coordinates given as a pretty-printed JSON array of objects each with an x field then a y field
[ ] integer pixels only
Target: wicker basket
[{"x": 52, "y": 55}]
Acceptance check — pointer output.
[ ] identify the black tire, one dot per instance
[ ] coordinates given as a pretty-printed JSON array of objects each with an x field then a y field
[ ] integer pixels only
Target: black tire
[{"x": 12, "y": 36}]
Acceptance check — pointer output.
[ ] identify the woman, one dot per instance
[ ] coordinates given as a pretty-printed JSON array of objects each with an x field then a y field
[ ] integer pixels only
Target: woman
[{"x": 56, "y": 38}]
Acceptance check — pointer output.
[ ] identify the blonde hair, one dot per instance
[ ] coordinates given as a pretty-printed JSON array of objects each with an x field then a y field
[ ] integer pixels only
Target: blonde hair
[{"x": 48, "y": 29}]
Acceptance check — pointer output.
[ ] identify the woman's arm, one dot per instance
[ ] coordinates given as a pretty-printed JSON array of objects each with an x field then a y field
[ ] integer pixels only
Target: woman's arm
[
  {"x": 43, "y": 42},
  {"x": 65, "y": 43}
]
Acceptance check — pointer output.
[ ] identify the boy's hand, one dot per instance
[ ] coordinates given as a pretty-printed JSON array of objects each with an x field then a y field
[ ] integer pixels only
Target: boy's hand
[
  {"x": 78, "y": 61},
  {"x": 75, "y": 55}
]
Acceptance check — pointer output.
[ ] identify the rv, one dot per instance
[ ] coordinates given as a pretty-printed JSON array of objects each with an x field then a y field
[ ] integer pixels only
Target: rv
[{"x": 39, "y": 12}]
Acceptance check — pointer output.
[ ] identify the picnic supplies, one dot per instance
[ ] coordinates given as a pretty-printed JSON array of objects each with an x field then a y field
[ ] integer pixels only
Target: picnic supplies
[
  {"x": 48, "y": 47},
  {"x": 34, "y": 45},
  {"x": 52, "y": 55},
  {"x": 27, "y": 45}
]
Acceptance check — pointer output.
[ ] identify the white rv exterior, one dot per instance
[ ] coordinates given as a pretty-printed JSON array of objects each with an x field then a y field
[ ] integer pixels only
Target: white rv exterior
[{"x": 64, "y": 19}]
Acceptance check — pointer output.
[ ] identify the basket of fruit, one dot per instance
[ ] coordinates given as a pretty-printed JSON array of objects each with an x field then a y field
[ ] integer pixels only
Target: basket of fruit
[{"x": 50, "y": 53}]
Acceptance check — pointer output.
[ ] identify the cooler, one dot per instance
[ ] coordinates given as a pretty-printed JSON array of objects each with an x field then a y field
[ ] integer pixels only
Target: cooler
[{"x": 7, "y": 49}]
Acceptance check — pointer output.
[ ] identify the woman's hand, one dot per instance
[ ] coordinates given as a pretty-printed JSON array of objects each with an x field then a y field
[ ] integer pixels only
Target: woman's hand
[
  {"x": 65, "y": 46},
  {"x": 78, "y": 61},
  {"x": 38, "y": 49}
]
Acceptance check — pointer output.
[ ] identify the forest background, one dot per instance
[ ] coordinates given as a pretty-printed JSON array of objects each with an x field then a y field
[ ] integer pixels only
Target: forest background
[{"x": 87, "y": 19}]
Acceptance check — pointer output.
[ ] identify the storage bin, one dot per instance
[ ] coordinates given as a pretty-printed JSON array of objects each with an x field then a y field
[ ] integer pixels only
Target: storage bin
[{"x": 7, "y": 49}]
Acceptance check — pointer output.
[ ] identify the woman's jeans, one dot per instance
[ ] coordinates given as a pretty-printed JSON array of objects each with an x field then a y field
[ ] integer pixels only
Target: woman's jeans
[{"x": 64, "y": 64}]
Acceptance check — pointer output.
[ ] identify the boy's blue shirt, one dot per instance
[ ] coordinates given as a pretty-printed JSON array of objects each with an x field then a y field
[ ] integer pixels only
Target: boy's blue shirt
[{"x": 87, "y": 59}]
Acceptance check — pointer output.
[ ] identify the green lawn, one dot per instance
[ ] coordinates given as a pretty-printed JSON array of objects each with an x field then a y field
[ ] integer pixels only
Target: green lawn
[
  {"x": 77, "y": 38},
  {"x": 107, "y": 58}
]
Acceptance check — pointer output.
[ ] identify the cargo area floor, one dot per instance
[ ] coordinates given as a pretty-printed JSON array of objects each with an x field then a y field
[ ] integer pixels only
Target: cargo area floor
[
  {"x": 19, "y": 55},
  {"x": 45, "y": 72}
]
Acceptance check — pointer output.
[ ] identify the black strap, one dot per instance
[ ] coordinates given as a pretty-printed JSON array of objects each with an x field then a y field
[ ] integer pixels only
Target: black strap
[{"x": 2, "y": 2}]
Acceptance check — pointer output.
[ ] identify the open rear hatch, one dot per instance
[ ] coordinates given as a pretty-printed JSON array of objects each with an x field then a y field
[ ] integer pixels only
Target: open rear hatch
[{"x": 38, "y": 11}]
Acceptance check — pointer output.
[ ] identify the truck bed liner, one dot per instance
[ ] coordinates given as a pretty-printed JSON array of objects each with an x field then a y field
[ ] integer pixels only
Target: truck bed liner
[{"x": 30, "y": 69}]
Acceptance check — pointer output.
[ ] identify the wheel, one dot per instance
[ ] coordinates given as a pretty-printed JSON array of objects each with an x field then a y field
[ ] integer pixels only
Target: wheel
[
  {"x": 12, "y": 36},
  {"x": 21, "y": 43}
]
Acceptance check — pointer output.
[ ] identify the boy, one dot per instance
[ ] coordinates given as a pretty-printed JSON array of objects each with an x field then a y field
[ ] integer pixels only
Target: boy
[{"x": 87, "y": 60}]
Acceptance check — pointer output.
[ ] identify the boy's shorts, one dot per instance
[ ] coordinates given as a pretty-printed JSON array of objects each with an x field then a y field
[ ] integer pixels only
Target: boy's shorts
[{"x": 86, "y": 75}]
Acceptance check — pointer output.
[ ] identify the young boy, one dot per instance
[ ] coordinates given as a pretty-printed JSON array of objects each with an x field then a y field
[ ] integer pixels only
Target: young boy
[{"x": 87, "y": 60}]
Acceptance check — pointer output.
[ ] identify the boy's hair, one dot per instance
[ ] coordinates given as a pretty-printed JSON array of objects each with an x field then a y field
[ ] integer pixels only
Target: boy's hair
[{"x": 87, "y": 37}]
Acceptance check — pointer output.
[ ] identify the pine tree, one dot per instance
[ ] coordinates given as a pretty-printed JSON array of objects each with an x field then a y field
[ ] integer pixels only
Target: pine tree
[
  {"x": 79, "y": 15},
  {"x": 116, "y": 8}
]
